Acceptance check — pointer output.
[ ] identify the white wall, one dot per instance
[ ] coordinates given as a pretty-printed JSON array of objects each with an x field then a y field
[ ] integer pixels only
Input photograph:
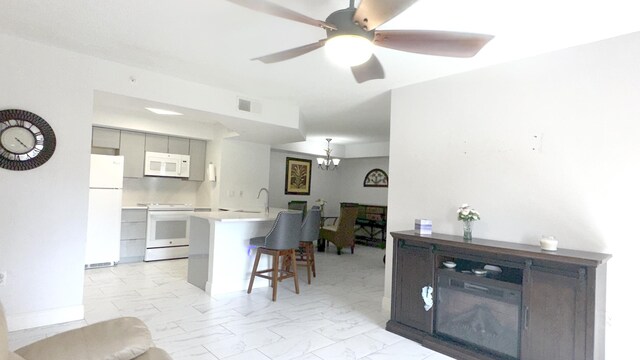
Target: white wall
[
  {"x": 380, "y": 149},
  {"x": 43, "y": 218},
  {"x": 161, "y": 190},
  {"x": 312, "y": 147},
  {"x": 468, "y": 138},
  {"x": 209, "y": 190},
  {"x": 344, "y": 184},
  {"x": 176, "y": 126},
  {"x": 323, "y": 184},
  {"x": 352, "y": 174},
  {"x": 244, "y": 170}
]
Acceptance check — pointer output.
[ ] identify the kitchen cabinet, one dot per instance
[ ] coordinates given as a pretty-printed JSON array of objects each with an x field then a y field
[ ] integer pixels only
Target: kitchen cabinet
[
  {"x": 197, "y": 151},
  {"x": 554, "y": 301},
  {"x": 132, "y": 148},
  {"x": 133, "y": 233},
  {"x": 156, "y": 143},
  {"x": 178, "y": 146},
  {"x": 133, "y": 145},
  {"x": 105, "y": 138},
  {"x": 166, "y": 144}
]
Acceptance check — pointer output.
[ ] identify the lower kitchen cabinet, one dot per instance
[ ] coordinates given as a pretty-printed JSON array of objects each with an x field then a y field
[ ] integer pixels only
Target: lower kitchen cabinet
[
  {"x": 529, "y": 305},
  {"x": 133, "y": 235}
]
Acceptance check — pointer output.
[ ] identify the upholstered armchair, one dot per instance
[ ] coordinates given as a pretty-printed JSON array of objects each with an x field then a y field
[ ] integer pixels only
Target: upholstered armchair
[
  {"x": 342, "y": 233},
  {"x": 123, "y": 338}
]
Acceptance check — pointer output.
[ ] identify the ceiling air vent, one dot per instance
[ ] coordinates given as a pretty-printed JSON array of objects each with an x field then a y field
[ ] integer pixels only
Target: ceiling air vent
[{"x": 248, "y": 105}]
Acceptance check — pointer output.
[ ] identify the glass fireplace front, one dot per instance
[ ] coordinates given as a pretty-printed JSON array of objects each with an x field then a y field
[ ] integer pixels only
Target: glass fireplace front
[{"x": 478, "y": 314}]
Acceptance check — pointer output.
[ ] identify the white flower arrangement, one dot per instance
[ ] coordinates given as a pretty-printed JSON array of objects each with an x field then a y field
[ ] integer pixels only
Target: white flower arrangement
[
  {"x": 321, "y": 202},
  {"x": 466, "y": 213}
]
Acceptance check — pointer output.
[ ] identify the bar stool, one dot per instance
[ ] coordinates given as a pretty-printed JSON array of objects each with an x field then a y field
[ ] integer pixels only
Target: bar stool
[
  {"x": 310, "y": 233},
  {"x": 281, "y": 242}
]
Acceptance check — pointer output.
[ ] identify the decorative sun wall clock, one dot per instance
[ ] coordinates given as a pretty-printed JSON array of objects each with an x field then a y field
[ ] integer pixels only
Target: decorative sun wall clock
[
  {"x": 376, "y": 178},
  {"x": 26, "y": 140}
]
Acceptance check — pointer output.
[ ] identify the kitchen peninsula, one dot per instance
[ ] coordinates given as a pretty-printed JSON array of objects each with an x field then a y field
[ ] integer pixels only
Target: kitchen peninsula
[{"x": 220, "y": 259}]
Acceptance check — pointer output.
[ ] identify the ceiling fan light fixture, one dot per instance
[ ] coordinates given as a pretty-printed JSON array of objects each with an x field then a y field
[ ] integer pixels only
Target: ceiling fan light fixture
[{"x": 349, "y": 50}]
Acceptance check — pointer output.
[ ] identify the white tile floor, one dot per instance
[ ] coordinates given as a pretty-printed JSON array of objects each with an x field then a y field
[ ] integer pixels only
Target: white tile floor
[{"x": 338, "y": 316}]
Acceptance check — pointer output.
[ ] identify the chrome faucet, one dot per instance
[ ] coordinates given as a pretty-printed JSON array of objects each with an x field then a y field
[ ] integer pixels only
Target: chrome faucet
[{"x": 266, "y": 203}]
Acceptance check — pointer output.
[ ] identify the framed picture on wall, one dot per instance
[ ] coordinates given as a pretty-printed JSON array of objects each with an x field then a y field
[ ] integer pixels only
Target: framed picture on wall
[
  {"x": 376, "y": 178},
  {"x": 298, "y": 177}
]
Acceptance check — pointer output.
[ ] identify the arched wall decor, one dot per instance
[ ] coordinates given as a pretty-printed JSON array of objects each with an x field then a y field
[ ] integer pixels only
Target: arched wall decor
[{"x": 376, "y": 178}]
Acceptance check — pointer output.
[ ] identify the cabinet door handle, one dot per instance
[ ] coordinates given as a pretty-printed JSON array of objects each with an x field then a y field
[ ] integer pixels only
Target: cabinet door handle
[{"x": 526, "y": 318}]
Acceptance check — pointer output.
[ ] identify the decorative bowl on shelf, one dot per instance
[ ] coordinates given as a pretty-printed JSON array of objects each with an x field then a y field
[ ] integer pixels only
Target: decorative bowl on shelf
[
  {"x": 493, "y": 268},
  {"x": 449, "y": 264},
  {"x": 479, "y": 271}
]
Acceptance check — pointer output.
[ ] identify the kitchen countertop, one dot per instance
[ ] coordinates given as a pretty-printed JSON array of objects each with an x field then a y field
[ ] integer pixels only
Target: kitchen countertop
[
  {"x": 221, "y": 256},
  {"x": 134, "y": 207},
  {"x": 239, "y": 215}
]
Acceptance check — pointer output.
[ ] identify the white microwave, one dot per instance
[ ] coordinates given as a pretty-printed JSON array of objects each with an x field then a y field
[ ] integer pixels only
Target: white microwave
[{"x": 168, "y": 165}]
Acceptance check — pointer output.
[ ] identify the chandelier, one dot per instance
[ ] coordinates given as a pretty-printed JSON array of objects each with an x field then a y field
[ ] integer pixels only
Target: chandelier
[{"x": 328, "y": 162}]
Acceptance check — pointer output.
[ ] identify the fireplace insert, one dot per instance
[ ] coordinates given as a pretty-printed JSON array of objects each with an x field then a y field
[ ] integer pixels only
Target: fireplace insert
[{"x": 479, "y": 312}]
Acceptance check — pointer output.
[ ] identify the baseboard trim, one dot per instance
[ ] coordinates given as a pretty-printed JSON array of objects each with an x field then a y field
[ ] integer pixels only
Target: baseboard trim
[{"x": 44, "y": 318}]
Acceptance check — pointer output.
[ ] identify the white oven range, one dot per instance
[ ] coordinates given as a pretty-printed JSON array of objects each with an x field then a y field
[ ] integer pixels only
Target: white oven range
[{"x": 167, "y": 231}]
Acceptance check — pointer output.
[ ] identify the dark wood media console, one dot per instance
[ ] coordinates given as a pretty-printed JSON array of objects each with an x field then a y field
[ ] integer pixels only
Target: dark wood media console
[
  {"x": 371, "y": 224},
  {"x": 529, "y": 305}
]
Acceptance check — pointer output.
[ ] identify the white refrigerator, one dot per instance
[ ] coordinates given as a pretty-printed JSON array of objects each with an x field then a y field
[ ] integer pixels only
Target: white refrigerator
[{"x": 105, "y": 211}]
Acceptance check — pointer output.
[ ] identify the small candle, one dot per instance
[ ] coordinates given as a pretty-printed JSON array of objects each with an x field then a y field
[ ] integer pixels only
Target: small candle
[{"x": 549, "y": 243}]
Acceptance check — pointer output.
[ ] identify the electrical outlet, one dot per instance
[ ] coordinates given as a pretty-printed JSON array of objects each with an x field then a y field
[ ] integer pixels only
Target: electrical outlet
[{"x": 3, "y": 278}]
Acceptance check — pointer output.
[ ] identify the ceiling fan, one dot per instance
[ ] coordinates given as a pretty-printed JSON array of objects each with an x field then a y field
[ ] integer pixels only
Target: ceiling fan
[{"x": 358, "y": 25}]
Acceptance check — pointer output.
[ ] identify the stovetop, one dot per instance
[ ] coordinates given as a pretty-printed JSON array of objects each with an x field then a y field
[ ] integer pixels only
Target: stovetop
[{"x": 164, "y": 207}]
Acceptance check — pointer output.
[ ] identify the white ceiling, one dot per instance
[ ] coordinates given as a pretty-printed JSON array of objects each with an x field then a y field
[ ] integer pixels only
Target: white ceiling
[{"x": 212, "y": 41}]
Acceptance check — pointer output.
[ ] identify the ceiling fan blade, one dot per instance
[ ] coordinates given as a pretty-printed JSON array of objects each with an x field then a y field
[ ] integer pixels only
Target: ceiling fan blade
[
  {"x": 431, "y": 42},
  {"x": 373, "y": 13},
  {"x": 291, "y": 53},
  {"x": 279, "y": 11},
  {"x": 370, "y": 70}
]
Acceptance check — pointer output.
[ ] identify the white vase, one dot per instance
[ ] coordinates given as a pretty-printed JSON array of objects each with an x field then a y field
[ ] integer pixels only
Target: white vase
[{"x": 549, "y": 243}]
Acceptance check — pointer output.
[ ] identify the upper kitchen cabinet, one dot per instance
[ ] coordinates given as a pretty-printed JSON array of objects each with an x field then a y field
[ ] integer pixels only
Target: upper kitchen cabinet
[
  {"x": 178, "y": 146},
  {"x": 197, "y": 149},
  {"x": 167, "y": 144},
  {"x": 132, "y": 147},
  {"x": 105, "y": 138},
  {"x": 156, "y": 143}
]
